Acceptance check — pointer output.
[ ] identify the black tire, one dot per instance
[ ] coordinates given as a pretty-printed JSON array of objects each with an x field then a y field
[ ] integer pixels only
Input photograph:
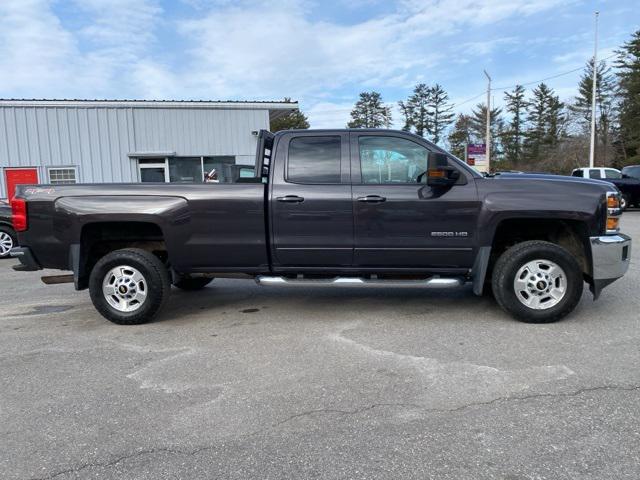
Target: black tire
[
  {"x": 155, "y": 274},
  {"x": 513, "y": 259},
  {"x": 192, "y": 284},
  {"x": 5, "y": 232}
]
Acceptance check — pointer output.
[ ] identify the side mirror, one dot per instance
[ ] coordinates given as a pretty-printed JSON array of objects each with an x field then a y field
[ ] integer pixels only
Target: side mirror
[{"x": 440, "y": 174}]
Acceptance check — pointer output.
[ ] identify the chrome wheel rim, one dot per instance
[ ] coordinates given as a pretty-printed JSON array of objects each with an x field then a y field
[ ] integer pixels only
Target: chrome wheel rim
[
  {"x": 6, "y": 244},
  {"x": 124, "y": 288},
  {"x": 540, "y": 284}
]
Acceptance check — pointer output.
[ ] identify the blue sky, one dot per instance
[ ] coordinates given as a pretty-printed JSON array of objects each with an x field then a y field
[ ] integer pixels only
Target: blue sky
[{"x": 322, "y": 53}]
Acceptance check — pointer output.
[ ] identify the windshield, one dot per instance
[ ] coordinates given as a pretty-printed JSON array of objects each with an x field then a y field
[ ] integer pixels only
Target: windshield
[{"x": 632, "y": 171}]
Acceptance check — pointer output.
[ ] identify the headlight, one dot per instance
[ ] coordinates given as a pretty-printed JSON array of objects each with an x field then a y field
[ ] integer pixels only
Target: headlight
[{"x": 613, "y": 213}]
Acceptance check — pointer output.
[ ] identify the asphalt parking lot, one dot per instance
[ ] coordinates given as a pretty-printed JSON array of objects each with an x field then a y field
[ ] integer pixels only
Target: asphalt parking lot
[{"x": 243, "y": 382}]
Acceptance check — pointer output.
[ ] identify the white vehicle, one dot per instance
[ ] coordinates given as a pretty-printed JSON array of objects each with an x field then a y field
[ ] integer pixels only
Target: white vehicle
[{"x": 598, "y": 173}]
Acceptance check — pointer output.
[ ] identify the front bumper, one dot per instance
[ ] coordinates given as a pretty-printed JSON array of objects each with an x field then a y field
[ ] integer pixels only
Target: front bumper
[
  {"x": 28, "y": 262},
  {"x": 611, "y": 255}
]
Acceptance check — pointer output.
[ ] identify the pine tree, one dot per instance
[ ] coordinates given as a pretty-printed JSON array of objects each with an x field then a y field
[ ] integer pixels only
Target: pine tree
[
  {"x": 628, "y": 64},
  {"x": 479, "y": 127},
  {"x": 555, "y": 121},
  {"x": 370, "y": 112},
  {"x": 545, "y": 114},
  {"x": 407, "y": 116},
  {"x": 295, "y": 119},
  {"x": 580, "y": 109},
  {"x": 515, "y": 105},
  {"x": 415, "y": 110},
  {"x": 461, "y": 135},
  {"x": 440, "y": 112},
  {"x": 605, "y": 91}
]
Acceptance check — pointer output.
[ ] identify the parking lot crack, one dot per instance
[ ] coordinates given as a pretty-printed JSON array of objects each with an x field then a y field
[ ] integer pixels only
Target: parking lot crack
[
  {"x": 123, "y": 458},
  {"x": 335, "y": 411}
]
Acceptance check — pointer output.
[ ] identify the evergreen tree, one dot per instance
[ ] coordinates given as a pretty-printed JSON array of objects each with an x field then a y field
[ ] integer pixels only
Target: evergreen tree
[
  {"x": 407, "y": 116},
  {"x": 628, "y": 64},
  {"x": 515, "y": 105},
  {"x": 415, "y": 110},
  {"x": 370, "y": 112},
  {"x": 555, "y": 121},
  {"x": 295, "y": 119},
  {"x": 605, "y": 106},
  {"x": 479, "y": 127},
  {"x": 545, "y": 115},
  {"x": 605, "y": 91},
  {"x": 440, "y": 112},
  {"x": 461, "y": 135}
]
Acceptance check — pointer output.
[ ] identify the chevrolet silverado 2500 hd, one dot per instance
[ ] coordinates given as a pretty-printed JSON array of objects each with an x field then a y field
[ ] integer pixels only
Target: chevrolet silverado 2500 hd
[{"x": 362, "y": 208}]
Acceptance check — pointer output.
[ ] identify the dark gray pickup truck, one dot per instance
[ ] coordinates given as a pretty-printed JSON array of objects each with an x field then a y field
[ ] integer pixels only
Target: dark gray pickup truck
[{"x": 346, "y": 208}]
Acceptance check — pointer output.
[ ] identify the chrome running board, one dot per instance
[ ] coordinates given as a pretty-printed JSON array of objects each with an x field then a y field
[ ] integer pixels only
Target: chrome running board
[{"x": 433, "y": 282}]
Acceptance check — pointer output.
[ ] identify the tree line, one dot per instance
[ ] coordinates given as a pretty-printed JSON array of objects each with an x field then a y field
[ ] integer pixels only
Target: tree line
[{"x": 535, "y": 130}]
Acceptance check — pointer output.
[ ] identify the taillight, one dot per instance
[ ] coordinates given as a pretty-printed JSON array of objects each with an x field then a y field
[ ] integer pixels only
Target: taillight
[{"x": 19, "y": 214}]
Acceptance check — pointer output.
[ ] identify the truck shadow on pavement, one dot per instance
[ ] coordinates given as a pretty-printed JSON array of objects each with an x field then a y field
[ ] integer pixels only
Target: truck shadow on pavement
[{"x": 224, "y": 300}]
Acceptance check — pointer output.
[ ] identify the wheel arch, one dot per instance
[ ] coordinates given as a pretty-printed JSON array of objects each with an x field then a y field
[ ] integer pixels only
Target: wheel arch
[
  {"x": 97, "y": 239},
  {"x": 571, "y": 234}
]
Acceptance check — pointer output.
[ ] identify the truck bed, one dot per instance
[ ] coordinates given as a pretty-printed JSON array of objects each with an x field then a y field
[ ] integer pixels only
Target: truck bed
[{"x": 204, "y": 225}]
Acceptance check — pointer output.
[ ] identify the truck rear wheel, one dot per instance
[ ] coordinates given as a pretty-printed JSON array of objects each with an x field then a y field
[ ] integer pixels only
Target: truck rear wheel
[
  {"x": 537, "y": 282},
  {"x": 129, "y": 286}
]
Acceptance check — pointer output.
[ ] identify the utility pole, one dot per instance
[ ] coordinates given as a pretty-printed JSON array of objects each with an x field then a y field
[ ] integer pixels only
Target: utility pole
[
  {"x": 592, "y": 147},
  {"x": 488, "y": 134}
]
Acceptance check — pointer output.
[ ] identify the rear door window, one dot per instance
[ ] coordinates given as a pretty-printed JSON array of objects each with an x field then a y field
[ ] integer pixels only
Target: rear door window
[
  {"x": 594, "y": 173},
  {"x": 314, "y": 160}
]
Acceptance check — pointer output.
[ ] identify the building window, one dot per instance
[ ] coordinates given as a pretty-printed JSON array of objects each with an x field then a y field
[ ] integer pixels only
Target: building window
[
  {"x": 59, "y": 176},
  {"x": 220, "y": 169},
  {"x": 224, "y": 168},
  {"x": 185, "y": 170}
]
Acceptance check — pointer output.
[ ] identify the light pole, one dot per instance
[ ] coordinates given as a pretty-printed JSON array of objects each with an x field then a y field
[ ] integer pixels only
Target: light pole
[
  {"x": 488, "y": 134},
  {"x": 592, "y": 147}
]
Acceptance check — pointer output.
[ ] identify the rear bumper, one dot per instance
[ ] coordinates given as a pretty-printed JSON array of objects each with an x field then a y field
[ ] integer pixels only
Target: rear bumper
[
  {"x": 28, "y": 262},
  {"x": 611, "y": 255}
]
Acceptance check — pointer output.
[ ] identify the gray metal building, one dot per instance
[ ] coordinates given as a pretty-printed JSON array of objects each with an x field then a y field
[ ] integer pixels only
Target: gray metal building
[{"x": 85, "y": 141}]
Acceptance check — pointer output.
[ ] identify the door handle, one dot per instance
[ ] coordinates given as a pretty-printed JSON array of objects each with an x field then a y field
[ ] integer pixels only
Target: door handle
[
  {"x": 372, "y": 199},
  {"x": 290, "y": 199}
]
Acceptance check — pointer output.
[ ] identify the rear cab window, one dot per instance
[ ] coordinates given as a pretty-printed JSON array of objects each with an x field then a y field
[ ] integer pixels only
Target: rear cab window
[
  {"x": 314, "y": 160},
  {"x": 610, "y": 173}
]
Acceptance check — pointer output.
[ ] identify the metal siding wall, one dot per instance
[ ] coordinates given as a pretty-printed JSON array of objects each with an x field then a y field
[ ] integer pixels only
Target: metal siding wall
[
  {"x": 195, "y": 132},
  {"x": 96, "y": 140}
]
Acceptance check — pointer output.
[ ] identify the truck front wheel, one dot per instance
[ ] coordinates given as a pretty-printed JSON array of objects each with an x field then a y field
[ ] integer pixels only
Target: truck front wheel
[
  {"x": 129, "y": 286},
  {"x": 537, "y": 281}
]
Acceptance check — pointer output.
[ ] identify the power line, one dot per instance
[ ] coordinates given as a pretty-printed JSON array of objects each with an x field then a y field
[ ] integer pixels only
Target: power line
[
  {"x": 468, "y": 100},
  {"x": 548, "y": 78}
]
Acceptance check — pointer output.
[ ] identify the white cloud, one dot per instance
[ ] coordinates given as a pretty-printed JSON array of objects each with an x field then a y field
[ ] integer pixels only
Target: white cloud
[
  {"x": 39, "y": 57},
  {"x": 242, "y": 49}
]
